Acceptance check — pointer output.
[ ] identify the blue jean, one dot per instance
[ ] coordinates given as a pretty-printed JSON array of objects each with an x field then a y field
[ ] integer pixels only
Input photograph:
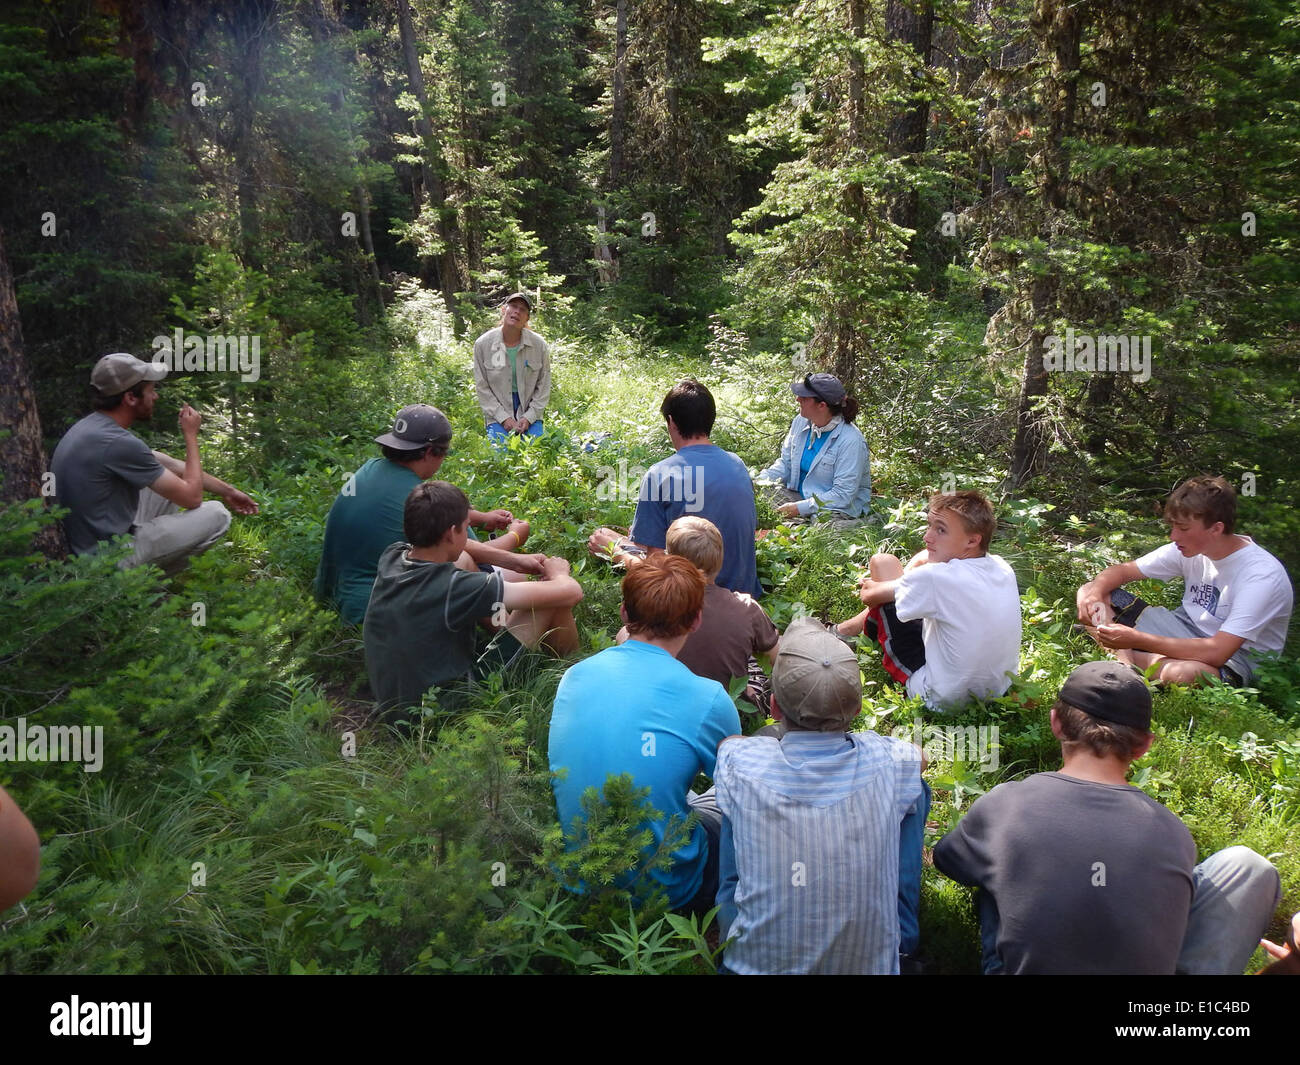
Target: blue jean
[
  {"x": 911, "y": 838},
  {"x": 705, "y": 806},
  {"x": 497, "y": 432},
  {"x": 1235, "y": 893}
]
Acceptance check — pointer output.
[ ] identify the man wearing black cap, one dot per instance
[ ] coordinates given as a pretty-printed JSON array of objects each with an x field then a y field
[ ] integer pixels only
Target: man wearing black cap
[
  {"x": 512, "y": 372},
  {"x": 367, "y": 515},
  {"x": 113, "y": 484},
  {"x": 1082, "y": 873}
]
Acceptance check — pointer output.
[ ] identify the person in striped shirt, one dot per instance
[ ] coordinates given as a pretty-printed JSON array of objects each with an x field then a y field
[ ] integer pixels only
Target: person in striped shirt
[{"x": 820, "y": 855}]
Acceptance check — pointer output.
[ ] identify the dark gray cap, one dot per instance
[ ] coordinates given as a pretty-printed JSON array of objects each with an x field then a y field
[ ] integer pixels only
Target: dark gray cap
[
  {"x": 519, "y": 296},
  {"x": 823, "y": 386},
  {"x": 416, "y": 427},
  {"x": 1109, "y": 691}
]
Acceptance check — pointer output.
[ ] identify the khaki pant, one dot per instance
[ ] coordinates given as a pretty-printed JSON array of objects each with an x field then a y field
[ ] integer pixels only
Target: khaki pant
[{"x": 166, "y": 536}]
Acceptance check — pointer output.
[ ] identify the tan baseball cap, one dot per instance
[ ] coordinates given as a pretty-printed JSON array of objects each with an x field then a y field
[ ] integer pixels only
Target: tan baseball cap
[
  {"x": 115, "y": 373},
  {"x": 816, "y": 679}
]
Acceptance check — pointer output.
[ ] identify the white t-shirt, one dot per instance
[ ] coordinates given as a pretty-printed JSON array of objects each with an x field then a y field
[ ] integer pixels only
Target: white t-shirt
[
  {"x": 970, "y": 622},
  {"x": 1247, "y": 594}
]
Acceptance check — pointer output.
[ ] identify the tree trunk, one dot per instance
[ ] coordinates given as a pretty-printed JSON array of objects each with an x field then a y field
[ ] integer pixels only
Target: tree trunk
[
  {"x": 618, "y": 109},
  {"x": 857, "y": 75},
  {"x": 1058, "y": 27},
  {"x": 450, "y": 280},
  {"x": 250, "y": 22},
  {"x": 914, "y": 26},
  {"x": 22, "y": 454},
  {"x": 368, "y": 242}
]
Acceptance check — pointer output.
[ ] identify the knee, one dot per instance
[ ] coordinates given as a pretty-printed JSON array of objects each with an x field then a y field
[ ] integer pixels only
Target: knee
[
  {"x": 217, "y": 514},
  {"x": 1173, "y": 671},
  {"x": 1240, "y": 869},
  {"x": 884, "y": 567}
]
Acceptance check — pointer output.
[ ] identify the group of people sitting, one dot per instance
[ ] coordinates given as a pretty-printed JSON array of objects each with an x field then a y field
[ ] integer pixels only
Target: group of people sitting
[{"x": 810, "y": 839}]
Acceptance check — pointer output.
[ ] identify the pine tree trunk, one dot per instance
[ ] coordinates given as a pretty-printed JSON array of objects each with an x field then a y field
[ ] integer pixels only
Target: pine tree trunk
[
  {"x": 914, "y": 26},
  {"x": 450, "y": 280},
  {"x": 618, "y": 109},
  {"x": 368, "y": 243},
  {"x": 22, "y": 453},
  {"x": 1058, "y": 27}
]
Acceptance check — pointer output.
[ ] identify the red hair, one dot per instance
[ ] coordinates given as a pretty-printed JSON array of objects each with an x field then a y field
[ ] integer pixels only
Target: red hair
[{"x": 662, "y": 597}]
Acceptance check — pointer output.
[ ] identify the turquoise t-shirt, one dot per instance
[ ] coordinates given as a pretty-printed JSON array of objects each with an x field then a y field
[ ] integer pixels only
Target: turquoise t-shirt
[
  {"x": 365, "y": 518},
  {"x": 810, "y": 452},
  {"x": 635, "y": 709}
]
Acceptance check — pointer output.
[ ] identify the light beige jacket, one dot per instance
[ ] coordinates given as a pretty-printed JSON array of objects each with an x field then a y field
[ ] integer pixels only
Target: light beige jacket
[{"x": 492, "y": 376}]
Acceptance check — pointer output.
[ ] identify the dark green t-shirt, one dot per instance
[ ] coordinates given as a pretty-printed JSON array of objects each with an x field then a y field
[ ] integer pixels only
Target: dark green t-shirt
[
  {"x": 421, "y": 624},
  {"x": 365, "y": 518}
]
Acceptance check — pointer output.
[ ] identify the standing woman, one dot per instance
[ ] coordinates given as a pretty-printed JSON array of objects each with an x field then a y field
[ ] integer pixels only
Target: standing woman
[
  {"x": 825, "y": 468},
  {"x": 512, "y": 373}
]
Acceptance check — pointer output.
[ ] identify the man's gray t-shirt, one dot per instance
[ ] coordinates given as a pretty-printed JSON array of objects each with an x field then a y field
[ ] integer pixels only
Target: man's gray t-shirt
[
  {"x": 99, "y": 469},
  {"x": 1087, "y": 878},
  {"x": 421, "y": 625}
]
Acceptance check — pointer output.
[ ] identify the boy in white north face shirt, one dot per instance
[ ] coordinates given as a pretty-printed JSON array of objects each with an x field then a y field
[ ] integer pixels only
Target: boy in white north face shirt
[
  {"x": 1236, "y": 597},
  {"x": 948, "y": 623}
]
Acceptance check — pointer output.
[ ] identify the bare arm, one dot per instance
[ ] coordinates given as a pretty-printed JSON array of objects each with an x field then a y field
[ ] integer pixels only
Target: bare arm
[
  {"x": 556, "y": 588},
  {"x": 1212, "y": 650},
  {"x": 876, "y": 593},
  {"x": 240, "y": 502},
  {"x": 184, "y": 487},
  {"x": 600, "y": 542},
  {"x": 20, "y": 853},
  {"x": 1096, "y": 593}
]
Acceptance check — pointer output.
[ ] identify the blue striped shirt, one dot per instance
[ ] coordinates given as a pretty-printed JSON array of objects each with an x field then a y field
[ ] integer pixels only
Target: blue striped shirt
[{"x": 809, "y": 854}]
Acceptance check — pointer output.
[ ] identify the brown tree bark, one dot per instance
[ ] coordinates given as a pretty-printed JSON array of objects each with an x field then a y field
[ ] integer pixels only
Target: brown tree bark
[
  {"x": 618, "y": 108},
  {"x": 912, "y": 24},
  {"x": 1058, "y": 28},
  {"x": 22, "y": 453},
  {"x": 450, "y": 278}
]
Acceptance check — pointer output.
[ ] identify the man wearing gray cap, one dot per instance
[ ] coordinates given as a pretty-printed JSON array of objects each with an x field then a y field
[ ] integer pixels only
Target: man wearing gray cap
[
  {"x": 512, "y": 372},
  {"x": 812, "y": 877},
  {"x": 366, "y": 517},
  {"x": 113, "y": 484},
  {"x": 1082, "y": 873}
]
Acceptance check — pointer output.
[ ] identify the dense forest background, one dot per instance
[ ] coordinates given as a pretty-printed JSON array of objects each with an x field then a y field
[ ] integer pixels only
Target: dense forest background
[{"x": 916, "y": 196}]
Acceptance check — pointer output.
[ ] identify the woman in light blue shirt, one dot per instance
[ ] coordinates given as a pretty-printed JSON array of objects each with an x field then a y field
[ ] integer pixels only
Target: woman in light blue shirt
[{"x": 825, "y": 468}]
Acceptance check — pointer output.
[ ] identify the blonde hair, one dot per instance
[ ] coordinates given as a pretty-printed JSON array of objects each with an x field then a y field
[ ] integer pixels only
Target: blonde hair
[{"x": 698, "y": 541}]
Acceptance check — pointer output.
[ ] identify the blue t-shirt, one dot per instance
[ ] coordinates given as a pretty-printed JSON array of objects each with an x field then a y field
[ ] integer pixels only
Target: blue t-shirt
[
  {"x": 706, "y": 481},
  {"x": 635, "y": 709},
  {"x": 811, "y": 450},
  {"x": 365, "y": 518}
]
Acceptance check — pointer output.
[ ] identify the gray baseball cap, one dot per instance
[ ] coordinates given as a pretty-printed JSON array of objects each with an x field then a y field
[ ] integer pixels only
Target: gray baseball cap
[
  {"x": 823, "y": 386},
  {"x": 519, "y": 296},
  {"x": 415, "y": 427},
  {"x": 115, "y": 373},
  {"x": 816, "y": 679}
]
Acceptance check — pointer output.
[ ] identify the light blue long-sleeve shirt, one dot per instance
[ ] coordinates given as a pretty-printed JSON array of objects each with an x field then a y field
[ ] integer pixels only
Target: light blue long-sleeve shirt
[
  {"x": 809, "y": 864},
  {"x": 839, "y": 477}
]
